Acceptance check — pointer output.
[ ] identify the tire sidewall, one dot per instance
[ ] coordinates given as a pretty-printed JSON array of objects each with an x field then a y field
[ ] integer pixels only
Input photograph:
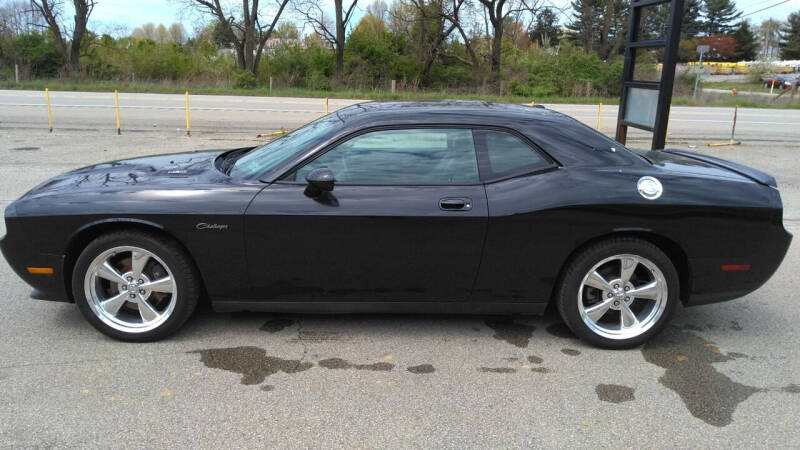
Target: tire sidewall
[
  {"x": 184, "y": 301},
  {"x": 585, "y": 260}
]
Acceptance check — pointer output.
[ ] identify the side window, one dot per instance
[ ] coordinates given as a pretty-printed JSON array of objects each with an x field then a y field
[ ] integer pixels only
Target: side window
[
  {"x": 507, "y": 154},
  {"x": 411, "y": 156}
]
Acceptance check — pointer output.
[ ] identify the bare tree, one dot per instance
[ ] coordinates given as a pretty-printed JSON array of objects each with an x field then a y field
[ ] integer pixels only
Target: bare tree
[
  {"x": 435, "y": 22},
  {"x": 769, "y": 36},
  {"x": 246, "y": 27},
  {"x": 177, "y": 33},
  {"x": 17, "y": 17},
  {"x": 379, "y": 9},
  {"x": 52, "y": 11},
  {"x": 162, "y": 34},
  {"x": 496, "y": 12},
  {"x": 457, "y": 14},
  {"x": 146, "y": 31},
  {"x": 314, "y": 13}
]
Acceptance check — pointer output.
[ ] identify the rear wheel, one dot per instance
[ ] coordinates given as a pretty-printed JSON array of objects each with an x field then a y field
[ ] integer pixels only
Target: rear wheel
[
  {"x": 618, "y": 293},
  {"x": 135, "y": 286}
]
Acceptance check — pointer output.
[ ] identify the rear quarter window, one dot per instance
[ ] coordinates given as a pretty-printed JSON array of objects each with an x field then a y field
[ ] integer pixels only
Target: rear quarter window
[{"x": 506, "y": 154}]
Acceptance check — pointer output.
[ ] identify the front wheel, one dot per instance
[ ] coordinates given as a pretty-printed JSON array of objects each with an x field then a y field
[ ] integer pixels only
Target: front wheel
[
  {"x": 618, "y": 293},
  {"x": 135, "y": 286}
]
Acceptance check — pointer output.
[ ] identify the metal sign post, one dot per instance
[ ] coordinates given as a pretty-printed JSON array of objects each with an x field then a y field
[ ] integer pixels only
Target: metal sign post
[
  {"x": 645, "y": 104},
  {"x": 700, "y": 49}
]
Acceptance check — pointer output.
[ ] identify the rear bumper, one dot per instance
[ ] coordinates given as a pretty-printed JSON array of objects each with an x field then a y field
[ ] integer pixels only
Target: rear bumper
[
  {"x": 51, "y": 286},
  {"x": 711, "y": 284}
]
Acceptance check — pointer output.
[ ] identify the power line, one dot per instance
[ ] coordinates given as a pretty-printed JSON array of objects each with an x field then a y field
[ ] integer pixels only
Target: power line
[
  {"x": 764, "y": 9},
  {"x": 754, "y": 4}
]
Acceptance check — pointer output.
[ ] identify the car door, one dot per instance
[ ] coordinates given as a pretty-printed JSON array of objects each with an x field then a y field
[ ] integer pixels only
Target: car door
[
  {"x": 523, "y": 233},
  {"x": 405, "y": 222}
]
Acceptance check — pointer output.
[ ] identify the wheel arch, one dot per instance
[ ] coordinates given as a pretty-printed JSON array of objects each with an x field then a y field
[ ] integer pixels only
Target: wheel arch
[
  {"x": 91, "y": 231},
  {"x": 672, "y": 249}
]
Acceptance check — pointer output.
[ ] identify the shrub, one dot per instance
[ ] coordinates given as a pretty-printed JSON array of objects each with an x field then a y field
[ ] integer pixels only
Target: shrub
[
  {"x": 244, "y": 80},
  {"x": 37, "y": 51}
]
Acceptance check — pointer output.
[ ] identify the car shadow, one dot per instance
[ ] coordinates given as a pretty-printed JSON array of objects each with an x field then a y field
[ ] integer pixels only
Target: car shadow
[{"x": 207, "y": 322}]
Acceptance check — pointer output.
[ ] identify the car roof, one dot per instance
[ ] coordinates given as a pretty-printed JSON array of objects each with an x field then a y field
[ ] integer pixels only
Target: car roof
[
  {"x": 442, "y": 111},
  {"x": 565, "y": 139}
]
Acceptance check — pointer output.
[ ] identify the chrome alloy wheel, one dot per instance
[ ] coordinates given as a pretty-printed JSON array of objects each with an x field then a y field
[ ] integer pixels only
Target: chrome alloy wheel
[
  {"x": 622, "y": 296},
  {"x": 130, "y": 289}
]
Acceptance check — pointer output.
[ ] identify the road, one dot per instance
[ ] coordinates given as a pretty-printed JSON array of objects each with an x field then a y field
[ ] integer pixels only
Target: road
[
  {"x": 165, "y": 112},
  {"x": 725, "y": 375}
]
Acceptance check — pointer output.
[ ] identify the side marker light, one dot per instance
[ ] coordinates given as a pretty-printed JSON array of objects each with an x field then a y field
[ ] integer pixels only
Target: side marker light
[{"x": 735, "y": 267}]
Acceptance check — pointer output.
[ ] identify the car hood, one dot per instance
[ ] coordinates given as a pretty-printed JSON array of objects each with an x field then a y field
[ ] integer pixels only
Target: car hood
[{"x": 189, "y": 168}]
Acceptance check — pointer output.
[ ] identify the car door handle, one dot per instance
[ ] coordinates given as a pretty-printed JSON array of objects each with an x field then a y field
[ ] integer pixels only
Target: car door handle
[{"x": 455, "y": 204}]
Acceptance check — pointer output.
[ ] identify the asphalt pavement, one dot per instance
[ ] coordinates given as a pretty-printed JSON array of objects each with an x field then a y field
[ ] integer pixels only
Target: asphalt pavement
[
  {"x": 210, "y": 113},
  {"x": 722, "y": 376}
]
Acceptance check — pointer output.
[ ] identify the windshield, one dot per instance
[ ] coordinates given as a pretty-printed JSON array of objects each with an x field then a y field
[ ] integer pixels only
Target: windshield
[{"x": 263, "y": 159}]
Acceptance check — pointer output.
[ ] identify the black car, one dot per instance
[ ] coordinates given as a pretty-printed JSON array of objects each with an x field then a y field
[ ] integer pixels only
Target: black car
[{"x": 453, "y": 207}]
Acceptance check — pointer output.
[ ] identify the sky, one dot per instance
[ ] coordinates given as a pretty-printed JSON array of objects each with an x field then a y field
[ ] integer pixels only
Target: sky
[
  {"x": 133, "y": 13},
  {"x": 117, "y": 15}
]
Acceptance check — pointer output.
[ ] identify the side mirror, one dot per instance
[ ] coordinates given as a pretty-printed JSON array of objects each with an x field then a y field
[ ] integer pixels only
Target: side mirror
[{"x": 319, "y": 181}]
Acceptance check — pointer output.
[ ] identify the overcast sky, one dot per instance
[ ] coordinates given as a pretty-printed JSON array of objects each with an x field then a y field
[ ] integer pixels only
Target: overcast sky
[{"x": 109, "y": 15}]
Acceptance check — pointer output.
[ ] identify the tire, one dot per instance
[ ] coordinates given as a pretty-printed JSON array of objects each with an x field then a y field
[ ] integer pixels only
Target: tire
[
  {"x": 601, "y": 311},
  {"x": 157, "y": 271}
]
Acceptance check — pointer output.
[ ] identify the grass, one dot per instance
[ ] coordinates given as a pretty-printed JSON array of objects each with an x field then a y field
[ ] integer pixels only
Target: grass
[
  {"x": 728, "y": 85},
  {"x": 370, "y": 94},
  {"x": 733, "y": 101}
]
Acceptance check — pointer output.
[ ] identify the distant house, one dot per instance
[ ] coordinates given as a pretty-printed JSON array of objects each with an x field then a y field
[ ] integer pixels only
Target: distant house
[
  {"x": 270, "y": 46},
  {"x": 273, "y": 44}
]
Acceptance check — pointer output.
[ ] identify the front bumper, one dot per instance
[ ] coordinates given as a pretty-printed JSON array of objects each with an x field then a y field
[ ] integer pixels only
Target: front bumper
[{"x": 50, "y": 286}]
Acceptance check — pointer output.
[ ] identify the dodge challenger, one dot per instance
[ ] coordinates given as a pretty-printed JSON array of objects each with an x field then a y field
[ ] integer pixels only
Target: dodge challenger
[{"x": 448, "y": 207}]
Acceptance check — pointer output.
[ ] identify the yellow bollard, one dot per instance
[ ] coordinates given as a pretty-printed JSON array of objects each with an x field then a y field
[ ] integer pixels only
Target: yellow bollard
[
  {"x": 599, "y": 114},
  {"x": 188, "y": 128},
  {"x": 49, "y": 112},
  {"x": 116, "y": 107},
  {"x": 532, "y": 103},
  {"x": 326, "y": 105}
]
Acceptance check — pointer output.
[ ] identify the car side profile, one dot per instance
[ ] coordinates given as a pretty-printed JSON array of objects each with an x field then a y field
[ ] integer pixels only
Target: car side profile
[
  {"x": 449, "y": 207},
  {"x": 782, "y": 82}
]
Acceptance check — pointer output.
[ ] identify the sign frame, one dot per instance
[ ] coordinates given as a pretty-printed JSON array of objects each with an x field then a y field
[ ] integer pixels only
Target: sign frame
[{"x": 670, "y": 43}]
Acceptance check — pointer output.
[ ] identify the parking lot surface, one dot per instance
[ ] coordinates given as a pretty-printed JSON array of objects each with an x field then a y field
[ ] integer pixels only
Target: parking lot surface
[{"x": 721, "y": 376}]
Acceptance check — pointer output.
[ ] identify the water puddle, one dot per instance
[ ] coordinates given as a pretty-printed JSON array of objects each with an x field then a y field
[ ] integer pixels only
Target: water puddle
[
  {"x": 689, "y": 362},
  {"x": 421, "y": 369},
  {"x": 561, "y": 330},
  {"x": 252, "y": 363},
  {"x": 276, "y": 324},
  {"x": 517, "y": 334},
  {"x": 614, "y": 393},
  {"x": 497, "y": 370},
  {"x": 338, "y": 363}
]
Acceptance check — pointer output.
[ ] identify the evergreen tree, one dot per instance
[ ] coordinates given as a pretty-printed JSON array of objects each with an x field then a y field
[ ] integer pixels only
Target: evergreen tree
[
  {"x": 746, "y": 46},
  {"x": 719, "y": 16},
  {"x": 599, "y": 25},
  {"x": 790, "y": 37},
  {"x": 546, "y": 24},
  {"x": 692, "y": 23}
]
